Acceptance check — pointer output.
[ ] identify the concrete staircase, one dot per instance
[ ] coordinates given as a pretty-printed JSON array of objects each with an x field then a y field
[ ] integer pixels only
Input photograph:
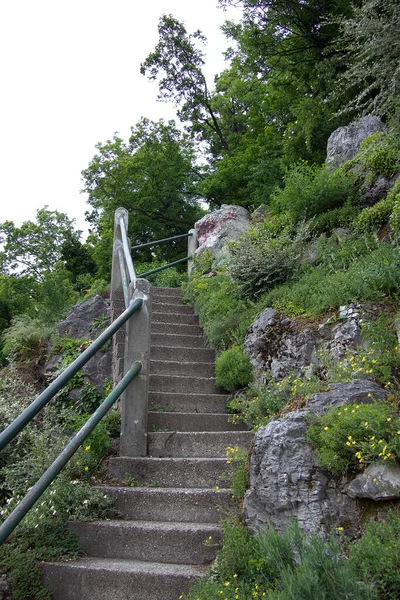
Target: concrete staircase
[{"x": 170, "y": 528}]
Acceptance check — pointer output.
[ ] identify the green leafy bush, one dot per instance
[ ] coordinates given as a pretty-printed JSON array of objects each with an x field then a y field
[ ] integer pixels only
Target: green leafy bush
[
  {"x": 311, "y": 190},
  {"x": 336, "y": 217},
  {"x": 394, "y": 195},
  {"x": 379, "y": 154},
  {"x": 261, "y": 261},
  {"x": 171, "y": 277},
  {"x": 376, "y": 556},
  {"x": 233, "y": 369},
  {"x": 353, "y": 436},
  {"x": 374, "y": 217},
  {"x": 25, "y": 340}
]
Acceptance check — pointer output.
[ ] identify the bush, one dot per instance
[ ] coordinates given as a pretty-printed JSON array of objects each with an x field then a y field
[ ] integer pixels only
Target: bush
[
  {"x": 376, "y": 556},
  {"x": 353, "y": 436},
  {"x": 336, "y": 217},
  {"x": 233, "y": 369},
  {"x": 374, "y": 217},
  {"x": 310, "y": 191},
  {"x": 170, "y": 277},
  {"x": 394, "y": 194},
  {"x": 25, "y": 340},
  {"x": 379, "y": 154}
]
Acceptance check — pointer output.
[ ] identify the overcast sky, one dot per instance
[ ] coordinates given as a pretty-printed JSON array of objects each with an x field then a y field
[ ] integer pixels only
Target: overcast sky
[{"x": 69, "y": 78}]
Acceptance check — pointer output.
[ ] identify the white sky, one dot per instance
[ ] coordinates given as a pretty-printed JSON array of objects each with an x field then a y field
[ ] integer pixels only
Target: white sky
[{"x": 69, "y": 78}]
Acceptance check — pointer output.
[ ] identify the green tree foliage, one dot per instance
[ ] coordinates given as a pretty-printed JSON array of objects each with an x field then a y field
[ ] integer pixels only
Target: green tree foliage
[
  {"x": 155, "y": 178},
  {"x": 178, "y": 63},
  {"x": 370, "y": 45}
]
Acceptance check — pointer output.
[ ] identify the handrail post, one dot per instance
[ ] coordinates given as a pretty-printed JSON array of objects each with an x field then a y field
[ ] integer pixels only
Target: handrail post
[
  {"x": 117, "y": 297},
  {"x": 193, "y": 244},
  {"x": 134, "y": 404}
]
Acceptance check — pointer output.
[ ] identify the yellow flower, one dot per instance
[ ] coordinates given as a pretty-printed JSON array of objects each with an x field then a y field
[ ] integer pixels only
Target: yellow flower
[
  {"x": 389, "y": 419},
  {"x": 366, "y": 424},
  {"x": 87, "y": 448},
  {"x": 86, "y": 468},
  {"x": 326, "y": 428},
  {"x": 227, "y": 583},
  {"x": 350, "y": 437},
  {"x": 340, "y": 528}
]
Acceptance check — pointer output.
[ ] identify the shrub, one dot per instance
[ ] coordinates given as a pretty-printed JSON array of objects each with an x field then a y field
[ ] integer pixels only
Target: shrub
[
  {"x": 336, "y": 217},
  {"x": 394, "y": 194},
  {"x": 170, "y": 277},
  {"x": 25, "y": 340},
  {"x": 311, "y": 190},
  {"x": 353, "y": 436},
  {"x": 233, "y": 369},
  {"x": 379, "y": 154},
  {"x": 376, "y": 556},
  {"x": 374, "y": 217}
]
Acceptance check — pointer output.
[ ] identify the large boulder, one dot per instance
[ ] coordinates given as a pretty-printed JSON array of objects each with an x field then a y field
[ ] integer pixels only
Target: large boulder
[
  {"x": 345, "y": 142},
  {"x": 85, "y": 322},
  {"x": 218, "y": 228},
  {"x": 277, "y": 345},
  {"x": 285, "y": 481}
]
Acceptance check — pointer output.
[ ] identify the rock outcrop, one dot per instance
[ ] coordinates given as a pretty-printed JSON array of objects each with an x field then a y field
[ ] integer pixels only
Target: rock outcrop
[
  {"x": 278, "y": 345},
  {"x": 218, "y": 228},
  {"x": 345, "y": 142},
  {"x": 85, "y": 321},
  {"x": 286, "y": 482}
]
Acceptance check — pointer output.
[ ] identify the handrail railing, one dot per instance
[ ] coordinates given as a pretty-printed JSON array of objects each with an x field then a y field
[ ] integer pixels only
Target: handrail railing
[
  {"x": 136, "y": 293},
  {"x": 27, "y": 415},
  {"x": 51, "y": 473}
]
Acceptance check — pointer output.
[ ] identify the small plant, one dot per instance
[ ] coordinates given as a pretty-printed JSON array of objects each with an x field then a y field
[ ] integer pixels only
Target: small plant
[
  {"x": 238, "y": 458},
  {"x": 353, "y": 436},
  {"x": 376, "y": 556},
  {"x": 233, "y": 369},
  {"x": 379, "y": 154},
  {"x": 25, "y": 340}
]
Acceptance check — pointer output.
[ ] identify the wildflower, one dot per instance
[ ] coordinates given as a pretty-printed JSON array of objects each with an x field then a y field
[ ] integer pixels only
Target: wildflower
[
  {"x": 389, "y": 419},
  {"x": 340, "y": 528},
  {"x": 326, "y": 428},
  {"x": 87, "y": 448},
  {"x": 86, "y": 468},
  {"x": 227, "y": 583},
  {"x": 366, "y": 424}
]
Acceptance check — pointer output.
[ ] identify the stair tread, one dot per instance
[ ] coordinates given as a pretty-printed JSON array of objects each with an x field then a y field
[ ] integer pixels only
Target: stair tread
[
  {"x": 130, "y": 565},
  {"x": 183, "y": 527}
]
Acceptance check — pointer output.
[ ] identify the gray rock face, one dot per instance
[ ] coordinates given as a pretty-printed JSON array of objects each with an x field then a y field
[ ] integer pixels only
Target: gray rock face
[
  {"x": 286, "y": 483},
  {"x": 277, "y": 345},
  {"x": 221, "y": 226},
  {"x": 86, "y": 321},
  {"x": 344, "y": 142},
  {"x": 380, "y": 481}
]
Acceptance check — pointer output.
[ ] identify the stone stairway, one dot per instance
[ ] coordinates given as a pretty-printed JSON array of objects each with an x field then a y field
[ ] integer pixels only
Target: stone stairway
[{"x": 169, "y": 529}]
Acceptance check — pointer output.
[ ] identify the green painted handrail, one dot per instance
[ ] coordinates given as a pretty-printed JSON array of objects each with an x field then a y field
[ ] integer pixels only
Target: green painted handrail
[
  {"x": 177, "y": 262},
  {"x": 157, "y": 242},
  {"x": 27, "y": 415},
  {"x": 48, "y": 477}
]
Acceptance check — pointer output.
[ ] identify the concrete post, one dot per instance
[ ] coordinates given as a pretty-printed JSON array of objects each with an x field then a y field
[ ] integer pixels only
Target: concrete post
[
  {"x": 193, "y": 244},
  {"x": 117, "y": 298},
  {"x": 135, "y": 399}
]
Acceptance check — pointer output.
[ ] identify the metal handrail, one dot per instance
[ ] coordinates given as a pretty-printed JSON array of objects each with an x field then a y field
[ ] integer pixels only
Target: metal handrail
[
  {"x": 51, "y": 473},
  {"x": 27, "y": 415},
  {"x": 177, "y": 262},
  {"x": 157, "y": 242}
]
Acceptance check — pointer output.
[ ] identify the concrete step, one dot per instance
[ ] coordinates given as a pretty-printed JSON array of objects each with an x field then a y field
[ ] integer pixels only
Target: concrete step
[
  {"x": 172, "y": 307},
  {"x": 175, "y": 328},
  {"x": 171, "y": 472},
  {"x": 180, "y": 384},
  {"x": 174, "y": 317},
  {"x": 182, "y": 543},
  {"x": 185, "y": 421},
  {"x": 191, "y": 403},
  {"x": 183, "y": 341},
  {"x": 162, "y": 351},
  {"x": 168, "y": 299},
  {"x": 201, "y": 444},
  {"x": 170, "y": 504},
  {"x": 175, "y": 367},
  {"x": 162, "y": 292},
  {"x": 116, "y": 579}
]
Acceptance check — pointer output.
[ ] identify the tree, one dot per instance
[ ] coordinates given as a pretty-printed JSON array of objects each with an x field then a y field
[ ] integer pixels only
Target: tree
[
  {"x": 370, "y": 46},
  {"x": 178, "y": 63},
  {"x": 36, "y": 248},
  {"x": 154, "y": 176}
]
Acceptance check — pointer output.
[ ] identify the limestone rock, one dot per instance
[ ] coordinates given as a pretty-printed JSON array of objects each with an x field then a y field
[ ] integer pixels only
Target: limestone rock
[
  {"x": 285, "y": 481},
  {"x": 344, "y": 142},
  {"x": 218, "y": 228},
  {"x": 86, "y": 320},
  {"x": 379, "y": 481},
  {"x": 278, "y": 346}
]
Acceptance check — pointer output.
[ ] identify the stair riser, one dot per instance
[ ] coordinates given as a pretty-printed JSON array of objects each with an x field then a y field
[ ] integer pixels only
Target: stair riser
[
  {"x": 172, "y": 307},
  {"x": 182, "y": 341},
  {"x": 191, "y": 403},
  {"x": 175, "y": 328},
  {"x": 132, "y": 541},
  {"x": 164, "y": 352},
  {"x": 150, "y": 504},
  {"x": 196, "y": 444},
  {"x": 69, "y": 582},
  {"x": 177, "y": 473},
  {"x": 162, "y": 292},
  {"x": 188, "y": 369},
  {"x": 163, "y": 421},
  {"x": 162, "y": 317},
  {"x": 177, "y": 385}
]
